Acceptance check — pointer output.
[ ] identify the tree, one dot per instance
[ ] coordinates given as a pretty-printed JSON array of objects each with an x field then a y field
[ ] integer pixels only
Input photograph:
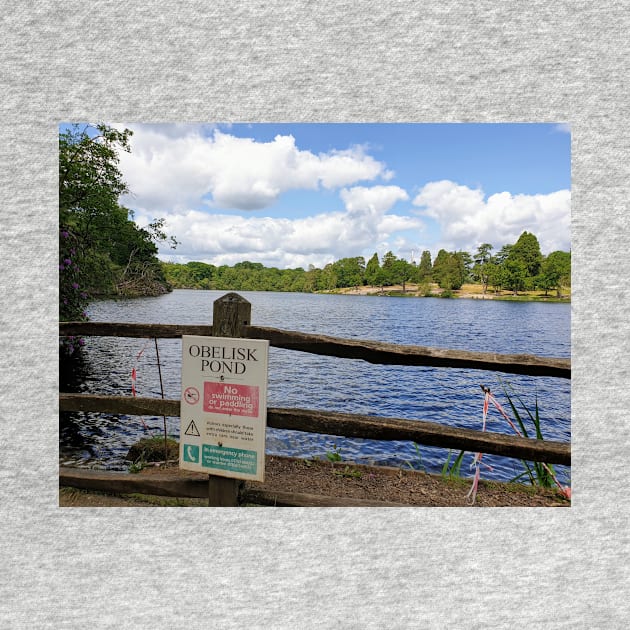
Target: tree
[
  {"x": 494, "y": 274},
  {"x": 90, "y": 182},
  {"x": 372, "y": 271},
  {"x": 465, "y": 265},
  {"x": 502, "y": 255},
  {"x": 328, "y": 277},
  {"x": 425, "y": 267},
  {"x": 482, "y": 259},
  {"x": 555, "y": 272},
  {"x": 440, "y": 266},
  {"x": 102, "y": 251},
  {"x": 402, "y": 272},
  {"x": 388, "y": 268},
  {"x": 350, "y": 271},
  {"x": 514, "y": 275},
  {"x": 449, "y": 270},
  {"x": 527, "y": 251}
]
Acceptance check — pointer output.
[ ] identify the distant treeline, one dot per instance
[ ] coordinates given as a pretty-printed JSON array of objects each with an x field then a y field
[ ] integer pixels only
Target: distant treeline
[{"x": 516, "y": 267}]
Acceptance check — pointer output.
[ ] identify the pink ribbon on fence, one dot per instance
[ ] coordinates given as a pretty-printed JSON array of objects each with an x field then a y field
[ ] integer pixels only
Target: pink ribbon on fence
[
  {"x": 488, "y": 396},
  {"x": 472, "y": 493},
  {"x": 134, "y": 378}
]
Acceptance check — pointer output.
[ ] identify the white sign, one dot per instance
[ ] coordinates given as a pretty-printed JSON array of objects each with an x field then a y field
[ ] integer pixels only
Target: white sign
[{"x": 224, "y": 406}]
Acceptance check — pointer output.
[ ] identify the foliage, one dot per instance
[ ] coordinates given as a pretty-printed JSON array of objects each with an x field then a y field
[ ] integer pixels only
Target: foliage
[
  {"x": 334, "y": 455},
  {"x": 483, "y": 265},
  {"x": 507, "y": 269},
  {"x": 453, "y": 471},
  {"x": 373, "y": 271},
  {"x": 555, "y": 272},
  {"x": 425, "y": 268},
  {"x": 539, "y": 473},
  {"x": 514, "y": 275},
  {"x": 449, "y": 269},
  {"x": 346, "y": 471},
  {"x": 527, "y": 252},
  {"x": 153, "y": 449},
  {"x": 102, "y": 251}
]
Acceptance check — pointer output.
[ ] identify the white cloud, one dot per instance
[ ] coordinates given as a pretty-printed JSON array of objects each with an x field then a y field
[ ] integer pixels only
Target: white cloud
[
  {"x": 283, "y": 242},
  {"x": 175, "y": 167},
  {"x": 467, "y": 219},
  {"x": 562, "y": 128}
]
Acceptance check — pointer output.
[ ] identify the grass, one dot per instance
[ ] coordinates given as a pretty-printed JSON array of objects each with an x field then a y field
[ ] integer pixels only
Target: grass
[
  {"x": 152, "y": 449},
  {"x": 539, "y": 473},
  {"x": 334, "y": 457},
  {"x": 453, "y": 471}
]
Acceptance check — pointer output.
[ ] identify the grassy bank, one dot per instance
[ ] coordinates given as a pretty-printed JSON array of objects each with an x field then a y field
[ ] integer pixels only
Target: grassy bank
[{"x": 469, "y": 291}]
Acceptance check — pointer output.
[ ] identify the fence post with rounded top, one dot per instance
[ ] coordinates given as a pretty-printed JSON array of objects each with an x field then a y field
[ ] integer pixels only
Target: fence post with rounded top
[{"x": 230, "y": 313}]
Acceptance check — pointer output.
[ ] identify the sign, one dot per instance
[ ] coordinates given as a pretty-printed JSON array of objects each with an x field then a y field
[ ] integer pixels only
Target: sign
[{"x": 224, "y": 406}]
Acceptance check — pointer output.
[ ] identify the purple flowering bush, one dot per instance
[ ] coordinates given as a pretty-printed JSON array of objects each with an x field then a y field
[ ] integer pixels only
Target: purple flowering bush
[{"x": 72, "y": 300}]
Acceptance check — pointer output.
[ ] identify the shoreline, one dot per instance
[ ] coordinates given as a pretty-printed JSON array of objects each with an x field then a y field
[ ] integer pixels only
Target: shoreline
[{"x": 468, "y": 291}]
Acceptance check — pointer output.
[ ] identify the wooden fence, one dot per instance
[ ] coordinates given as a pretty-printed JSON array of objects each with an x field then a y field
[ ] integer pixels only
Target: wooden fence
[{"x": 232, "y": 318}]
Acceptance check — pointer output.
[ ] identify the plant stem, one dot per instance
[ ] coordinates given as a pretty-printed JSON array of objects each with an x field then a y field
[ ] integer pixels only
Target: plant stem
[{"x": 157, "y": 354}]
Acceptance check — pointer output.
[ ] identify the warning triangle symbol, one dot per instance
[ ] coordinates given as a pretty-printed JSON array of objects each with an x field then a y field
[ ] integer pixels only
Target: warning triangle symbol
[{"x": 192, "y": 429}]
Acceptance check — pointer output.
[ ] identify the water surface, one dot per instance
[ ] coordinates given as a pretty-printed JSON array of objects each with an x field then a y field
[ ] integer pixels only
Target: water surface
[{"x": 448, "y": 396}]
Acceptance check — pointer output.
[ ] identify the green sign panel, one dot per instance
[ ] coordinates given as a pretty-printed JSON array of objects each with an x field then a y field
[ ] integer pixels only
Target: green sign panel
[
  {"x": 232, "y": 459},
  {"x": 191, "y": 453}
]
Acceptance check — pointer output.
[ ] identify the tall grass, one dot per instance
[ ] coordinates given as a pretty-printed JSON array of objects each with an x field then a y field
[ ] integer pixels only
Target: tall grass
[{"x": 539, "y": 473}]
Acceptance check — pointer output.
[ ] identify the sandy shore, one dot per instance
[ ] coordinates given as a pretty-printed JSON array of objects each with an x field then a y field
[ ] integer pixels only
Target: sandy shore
[
  {"x": 467, "y": 291},
  {"x": 470, "y": 291}
]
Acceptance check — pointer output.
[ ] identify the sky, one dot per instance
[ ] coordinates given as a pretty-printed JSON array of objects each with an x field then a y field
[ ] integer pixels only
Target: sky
[{"x": 294, "y": 195}]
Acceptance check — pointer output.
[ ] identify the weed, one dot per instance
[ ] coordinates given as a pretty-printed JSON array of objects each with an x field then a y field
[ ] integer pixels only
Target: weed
[
  {"x": 455, "y": 469},
  {"x": 539, "y": 473},
  {"x": 137, "y": 466},
  {"x": 420, "y": 465},
  {"x": 334, "y": 455},
  {"x": 347, "y": 472}
]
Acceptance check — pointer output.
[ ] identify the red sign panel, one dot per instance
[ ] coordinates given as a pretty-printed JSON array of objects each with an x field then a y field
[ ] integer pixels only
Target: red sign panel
[{"x": 230, "y": 399}]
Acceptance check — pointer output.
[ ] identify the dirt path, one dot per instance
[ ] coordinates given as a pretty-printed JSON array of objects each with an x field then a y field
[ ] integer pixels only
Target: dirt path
[{"x": 346, "y": 480}]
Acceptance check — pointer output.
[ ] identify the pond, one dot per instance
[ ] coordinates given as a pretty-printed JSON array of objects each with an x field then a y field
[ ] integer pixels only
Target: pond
[{"x": 448, "y": 396}]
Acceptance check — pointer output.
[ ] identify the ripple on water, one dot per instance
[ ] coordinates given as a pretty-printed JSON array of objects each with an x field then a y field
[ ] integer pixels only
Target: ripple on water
[{"x": 300, "y": 380}]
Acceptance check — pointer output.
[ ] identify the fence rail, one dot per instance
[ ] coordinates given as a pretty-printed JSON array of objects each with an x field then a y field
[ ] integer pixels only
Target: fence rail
[
  {"x": 232, "y": 318},
  {"x": 348, "y": 425},
  {"x": 370, "y": 351}
]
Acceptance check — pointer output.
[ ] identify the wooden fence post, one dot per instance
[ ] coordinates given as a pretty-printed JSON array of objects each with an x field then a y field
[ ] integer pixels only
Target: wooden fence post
[{"x": 230, "y": 313}]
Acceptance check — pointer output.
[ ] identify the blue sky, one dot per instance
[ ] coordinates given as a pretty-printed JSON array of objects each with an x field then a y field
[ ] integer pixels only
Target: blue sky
[{"x": 291, "y": 195}]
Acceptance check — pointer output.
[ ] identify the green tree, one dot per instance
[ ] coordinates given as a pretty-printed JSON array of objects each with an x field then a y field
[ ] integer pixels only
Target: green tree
[
  {"x": 482, "y": 259},
  {"x": 514, "y": 275},
  {"x": 311, "y": 279},
  {"x": 555, "y": 272},
  {"x": 440, "y": 265},
  {"x": 328, "y": 277},
  {"x": 102, "y": 251},
  {"x": 465, "y": 262},
  {"x": 527, "y": 251},
  {"x": 494, "y": 274},
  {"x": 372, "y": 271},
  {"x": 402, "y": 272},
  {"x": 388, "y": 268},
  {"x": 449, "y": 270},
  {"x": 350, "y": 271},
  {"x": 502, "y": 255},
  {"x": 425, "y": 267}
]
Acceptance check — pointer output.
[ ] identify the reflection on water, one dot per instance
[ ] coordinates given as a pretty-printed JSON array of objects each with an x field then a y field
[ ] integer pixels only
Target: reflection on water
[{"x": 296, "y": 379}]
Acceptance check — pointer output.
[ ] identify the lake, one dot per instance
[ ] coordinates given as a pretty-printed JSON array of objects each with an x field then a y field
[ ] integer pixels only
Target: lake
[{"x": 296, "y": 379}]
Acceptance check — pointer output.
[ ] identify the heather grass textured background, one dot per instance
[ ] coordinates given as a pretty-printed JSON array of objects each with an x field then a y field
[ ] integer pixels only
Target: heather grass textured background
[{"x": 301, "y": 61}]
